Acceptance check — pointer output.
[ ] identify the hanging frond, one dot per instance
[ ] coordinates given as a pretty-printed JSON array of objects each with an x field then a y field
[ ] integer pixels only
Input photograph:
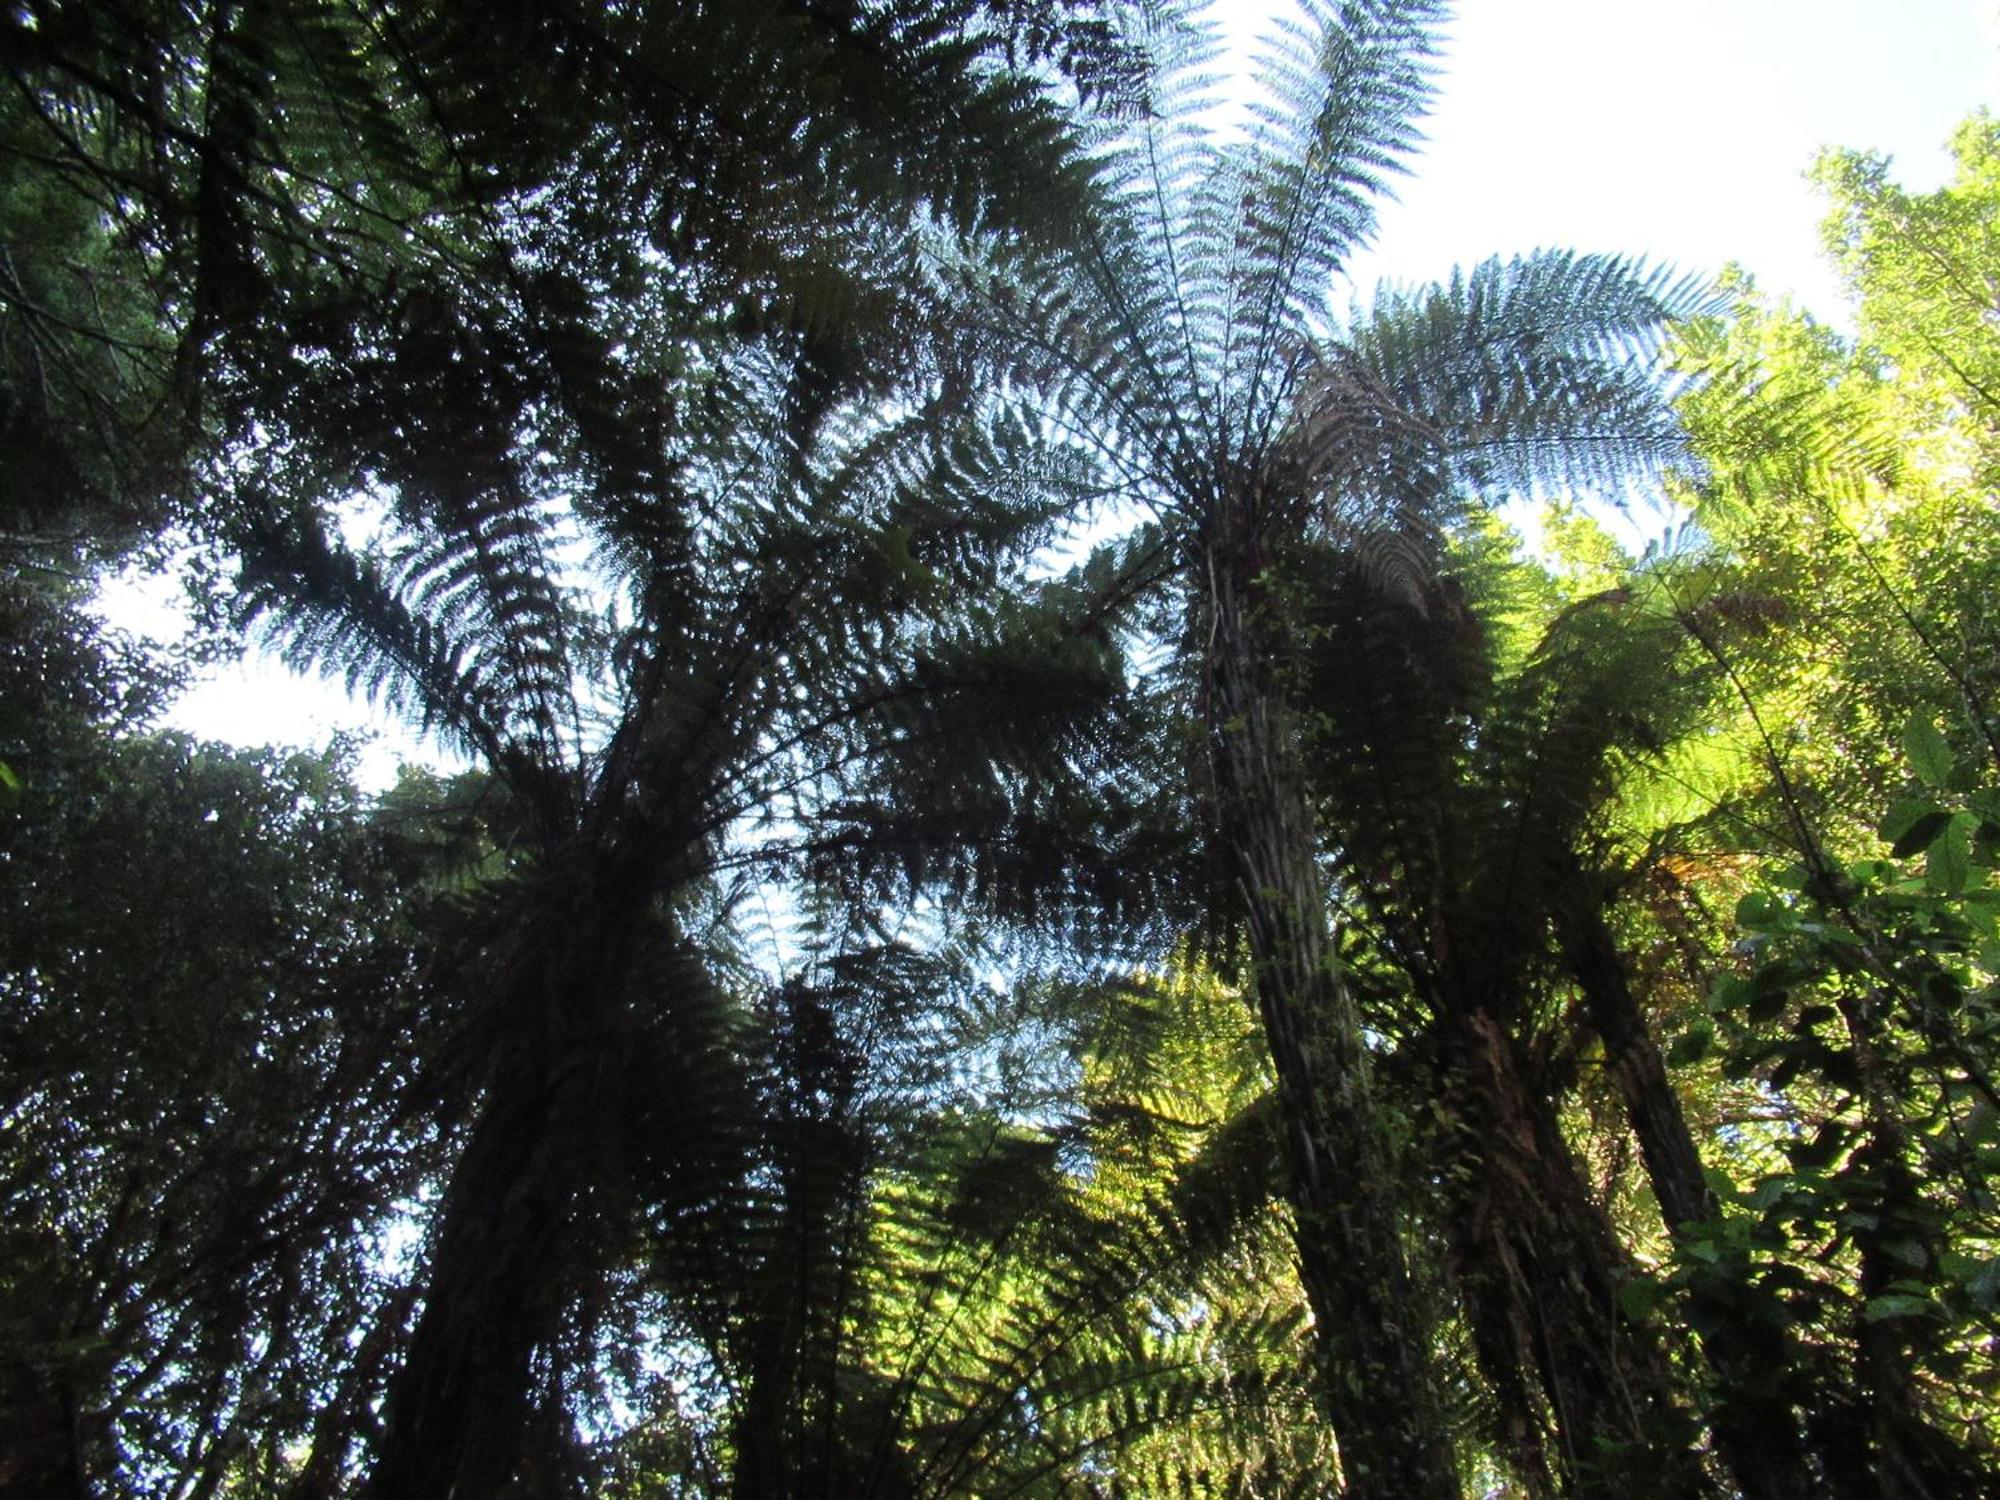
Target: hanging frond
[
  {"x": 1521, "y": 377},
  {"x": 346, "y": 617}
]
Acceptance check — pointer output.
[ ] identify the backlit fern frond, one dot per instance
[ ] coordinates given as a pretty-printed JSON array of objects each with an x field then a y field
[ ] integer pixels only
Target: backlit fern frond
[
  {"x": 346, "y": 616},
  {"x": 1462, "y": 789},
  {"x": 1348, "y": 83},
  {"x": 488, "y": 577},
  {"x": 1016, "y": 728},
  {"x": 1519, "y": 377},
  {"x": 924, "y": 1298},
  {"x": 1770, "y": 403}
]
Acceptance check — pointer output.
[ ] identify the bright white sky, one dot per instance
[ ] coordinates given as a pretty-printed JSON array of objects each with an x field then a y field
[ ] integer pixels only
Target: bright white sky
[{"x": 1679, "y": 131}]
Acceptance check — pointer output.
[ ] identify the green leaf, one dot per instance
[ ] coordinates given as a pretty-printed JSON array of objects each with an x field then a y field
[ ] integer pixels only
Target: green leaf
[
  {"x": 1902, "y": 813},
  {"x": 1771, "y": 1190},
  {"x": 1691, "y": 1046},
  {"x": 1983, "y": 1286},
  {"x": 1897, "y": 1305},
  {"x": 1941, "y": 988},
  {"x": 1639, "y": 1298},
  {"x": 1920, "y": 834},
  {"x": 1727, "y": 993},
  {"x": 1906, "y": 1252},
  {"x": 1767, "y": 1004},
  {"x": 1948, "y": 865},
  {"x": 1930, "y": 757},
  {"x": 1792, "y": 876},
  {"x": 1759, "y": 911}
]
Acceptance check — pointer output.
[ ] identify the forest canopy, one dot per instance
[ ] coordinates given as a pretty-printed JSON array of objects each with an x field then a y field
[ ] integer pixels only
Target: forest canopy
[{"x": 1044, "y": 895}]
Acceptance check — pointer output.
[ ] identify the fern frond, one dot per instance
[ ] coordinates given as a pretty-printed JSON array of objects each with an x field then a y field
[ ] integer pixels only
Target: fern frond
[
  {"x": 1522, "y": 376},
  {"x": 1347, "y": 84},
  {"x": 344, "y": 615}
]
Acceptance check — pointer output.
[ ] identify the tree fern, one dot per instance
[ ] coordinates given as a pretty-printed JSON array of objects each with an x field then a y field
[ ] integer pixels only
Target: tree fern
[
  {"x": 970, "y": 1312},
  {"x": 1197, "y": 339}
]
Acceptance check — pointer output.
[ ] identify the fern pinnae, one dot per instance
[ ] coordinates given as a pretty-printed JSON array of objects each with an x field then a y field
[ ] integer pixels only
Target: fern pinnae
[
  {"x": 353, "y": 621},
  {"x": 1103, "y": 370},
  {"x": 924, "y": 1348},
  {"x": 1361, "y": 78},
  {"x": 1166, "y": 169}
]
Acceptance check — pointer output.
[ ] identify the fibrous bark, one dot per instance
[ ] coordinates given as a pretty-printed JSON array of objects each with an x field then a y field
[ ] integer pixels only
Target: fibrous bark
[
  {"x": 513, "y": 1224},
  {"x": 1541, "y": 1267},
  {"x": 1759, "y": 1378},
  {"x": 1375, "y": 1341}
]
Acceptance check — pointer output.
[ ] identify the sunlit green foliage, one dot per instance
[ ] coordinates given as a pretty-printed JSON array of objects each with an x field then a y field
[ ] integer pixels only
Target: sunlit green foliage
[{"x": 1313, "y": 997}]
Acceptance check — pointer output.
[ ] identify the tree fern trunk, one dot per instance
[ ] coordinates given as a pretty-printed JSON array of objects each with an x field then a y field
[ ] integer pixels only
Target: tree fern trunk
[
  {"x": 511, "y": 1233},
  {"x": 1541, "y": 1266},
  {"x": 1759, "y": 1375},
  {"x": 1375, "y": 1342},
  {"x": 1673, "y": 1163}
]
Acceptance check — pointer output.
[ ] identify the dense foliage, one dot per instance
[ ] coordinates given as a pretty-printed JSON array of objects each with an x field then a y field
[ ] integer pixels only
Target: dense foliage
[{"x": 1308, "y": 995}]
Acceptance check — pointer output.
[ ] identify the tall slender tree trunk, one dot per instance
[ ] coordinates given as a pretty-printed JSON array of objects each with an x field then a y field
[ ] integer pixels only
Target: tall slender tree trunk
[
  {"x": 1761, "y": 1384},
  {"x": 1541, "y": 1266},
  {"x": 1375, "y": 1342},
  {"x": 1666, "y": 1144},
  {"x": 506, "y": 1255}
]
